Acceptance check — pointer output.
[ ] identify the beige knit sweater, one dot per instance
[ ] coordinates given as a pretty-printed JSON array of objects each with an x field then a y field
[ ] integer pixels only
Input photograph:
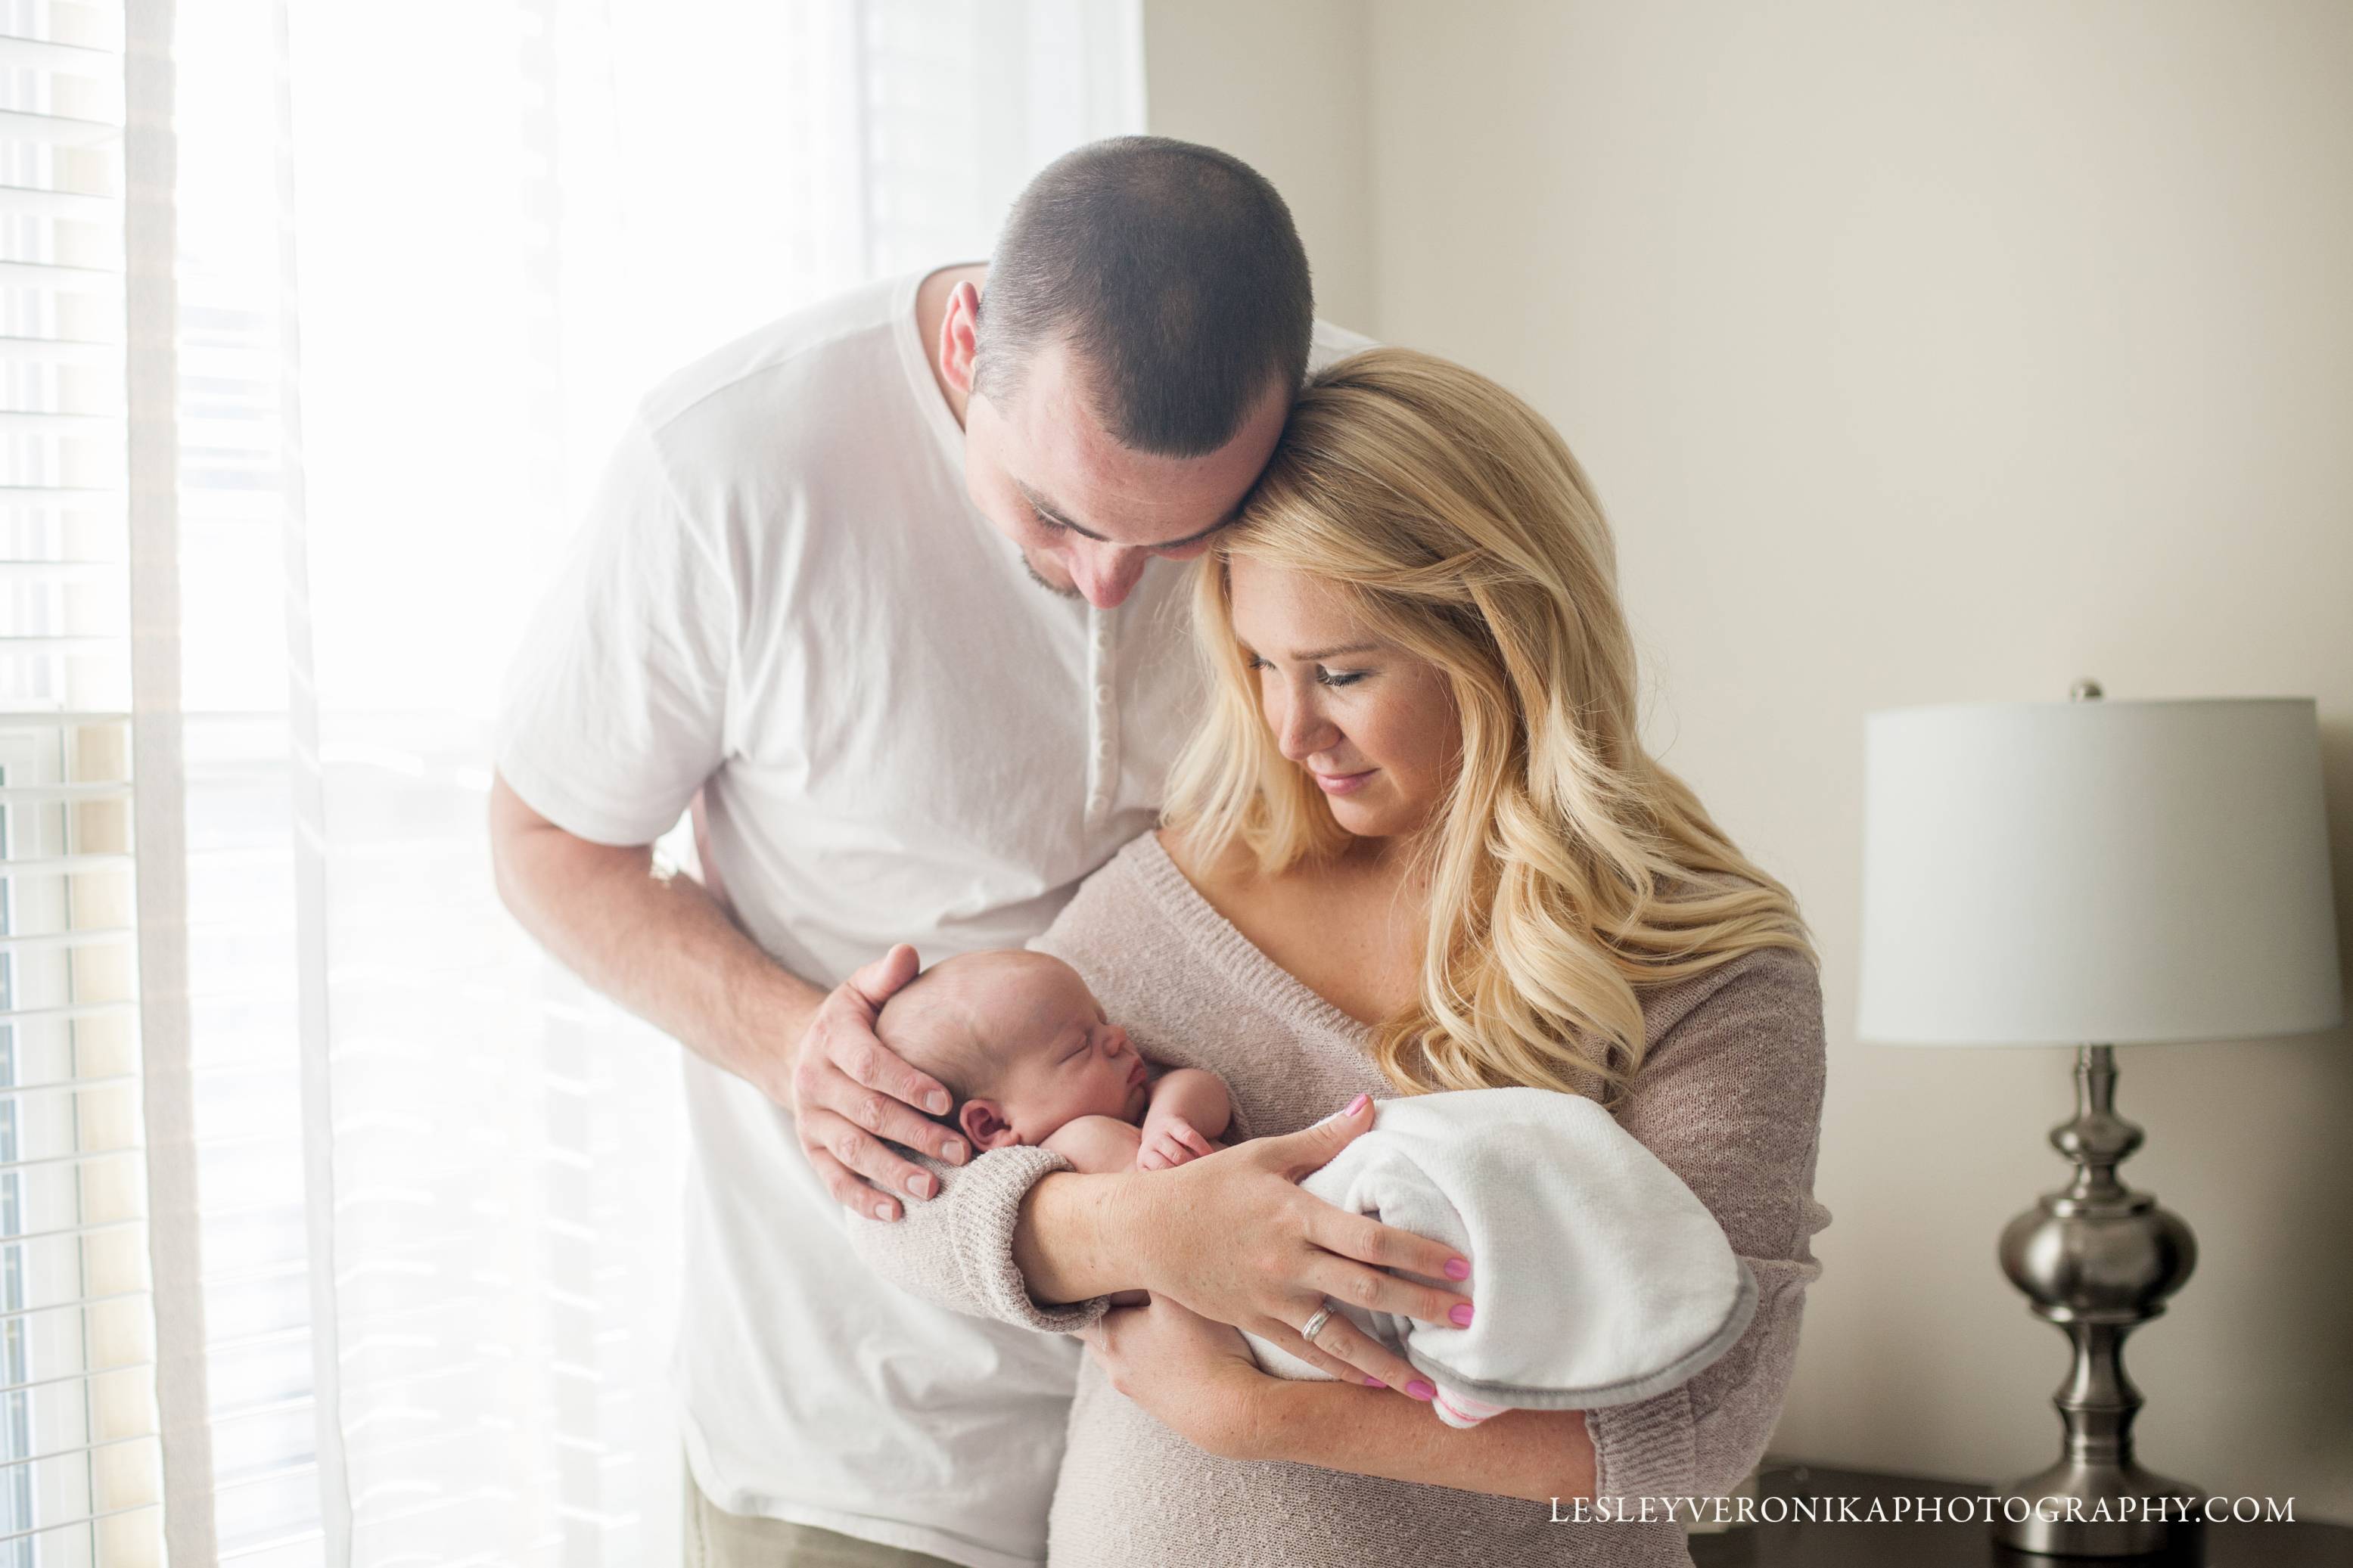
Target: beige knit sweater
[{"x": 1729, "y": 1098}]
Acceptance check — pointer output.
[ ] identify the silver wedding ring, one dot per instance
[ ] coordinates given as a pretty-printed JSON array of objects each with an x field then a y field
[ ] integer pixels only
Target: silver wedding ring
[{"x": 1314, "y": 1325}]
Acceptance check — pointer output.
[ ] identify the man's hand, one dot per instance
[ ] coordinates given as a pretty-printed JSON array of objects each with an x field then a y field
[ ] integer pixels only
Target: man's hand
[
  {"x": 664, "y": 948},
  {"x": 849, "y": 1091}
]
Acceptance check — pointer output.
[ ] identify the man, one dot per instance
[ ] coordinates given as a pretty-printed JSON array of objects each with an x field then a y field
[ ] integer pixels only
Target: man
[{"x": 810, "y": 589}]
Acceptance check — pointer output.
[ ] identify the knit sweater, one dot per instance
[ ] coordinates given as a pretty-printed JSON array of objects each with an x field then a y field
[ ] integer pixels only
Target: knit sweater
[{"x": 1729, "y": 1097}]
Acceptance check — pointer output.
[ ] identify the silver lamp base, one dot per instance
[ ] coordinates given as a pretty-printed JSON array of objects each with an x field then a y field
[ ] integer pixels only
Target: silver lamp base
[
  {"x": 2098, "y": 1260},
  {"x": 2163, "y": 1514}
]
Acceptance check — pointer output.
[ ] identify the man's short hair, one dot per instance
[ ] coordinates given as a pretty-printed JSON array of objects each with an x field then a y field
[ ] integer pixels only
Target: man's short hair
[{"x": 1175, "y": 275}]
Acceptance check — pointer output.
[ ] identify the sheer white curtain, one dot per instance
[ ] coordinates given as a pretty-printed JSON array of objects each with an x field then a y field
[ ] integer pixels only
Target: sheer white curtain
[{"x": 408, "y": 1208}]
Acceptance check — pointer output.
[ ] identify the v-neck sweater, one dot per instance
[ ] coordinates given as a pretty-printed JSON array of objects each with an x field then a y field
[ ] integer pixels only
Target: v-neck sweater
[{"x": 1729, "y": 1097}]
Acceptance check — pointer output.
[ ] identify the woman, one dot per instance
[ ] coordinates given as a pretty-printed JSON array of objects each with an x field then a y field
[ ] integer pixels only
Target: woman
[{"x": 1416, "y": 845}]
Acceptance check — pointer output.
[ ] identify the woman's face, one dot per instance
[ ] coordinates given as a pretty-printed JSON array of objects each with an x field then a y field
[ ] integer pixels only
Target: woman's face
[{"x": 1373, "y": 725}]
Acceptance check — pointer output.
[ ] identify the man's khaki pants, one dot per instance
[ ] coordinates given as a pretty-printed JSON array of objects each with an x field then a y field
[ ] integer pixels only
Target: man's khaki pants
[{"x": 717, "y": 1539}]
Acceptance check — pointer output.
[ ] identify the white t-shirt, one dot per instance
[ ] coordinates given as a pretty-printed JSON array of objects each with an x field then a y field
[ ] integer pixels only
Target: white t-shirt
[{"x": 781, "y": 589}]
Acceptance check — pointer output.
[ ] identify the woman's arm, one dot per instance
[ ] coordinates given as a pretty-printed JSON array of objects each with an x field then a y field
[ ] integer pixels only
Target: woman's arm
[
  {"x": 956, "y": 1251},
  {"x": 1066, "y": 1238},
  {"x": 1731, "y": 1101},
  {"x": 1199, "y": 1379},
  {"x": 1016, "y": 1235},
  {"x": 1540, "y": 1455},
  {"x": 1732, "y": 1104}
]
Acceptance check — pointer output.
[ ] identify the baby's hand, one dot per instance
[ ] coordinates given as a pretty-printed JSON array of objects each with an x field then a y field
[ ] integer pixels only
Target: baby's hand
[{"x": 1169, "y": 1142}]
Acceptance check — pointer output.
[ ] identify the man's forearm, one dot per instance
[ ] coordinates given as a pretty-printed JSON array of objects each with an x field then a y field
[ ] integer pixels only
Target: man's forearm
[
  {"x": 660, "y": 946},
  {"x": 1538, "y": 1455}
]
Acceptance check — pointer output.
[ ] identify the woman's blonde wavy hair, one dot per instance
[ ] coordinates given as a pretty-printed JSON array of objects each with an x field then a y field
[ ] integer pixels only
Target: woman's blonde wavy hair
[{"x": 1566, "y": 869}]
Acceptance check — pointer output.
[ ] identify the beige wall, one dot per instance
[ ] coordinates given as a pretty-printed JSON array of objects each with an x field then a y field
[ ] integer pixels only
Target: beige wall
[
  {"x": 1283, "y": 86},
  {"x": 1923, "y": 353}
]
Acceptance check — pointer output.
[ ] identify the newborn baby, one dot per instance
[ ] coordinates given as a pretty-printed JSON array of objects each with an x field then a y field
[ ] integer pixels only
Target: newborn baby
[
  {"x": 1603, "y": 1280},
  {"x": 1025, "y": 1049}
]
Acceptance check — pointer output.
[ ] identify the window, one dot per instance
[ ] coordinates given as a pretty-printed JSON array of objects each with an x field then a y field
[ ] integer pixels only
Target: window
[
  {"x": 80, "y": 1471},
  {"x": 330, "y": 1209}
]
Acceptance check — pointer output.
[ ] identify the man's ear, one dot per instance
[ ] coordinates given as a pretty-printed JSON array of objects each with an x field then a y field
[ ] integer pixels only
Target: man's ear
[
  {"x": 983, "y": 1122},
  {"x": 960, "y": 337}
]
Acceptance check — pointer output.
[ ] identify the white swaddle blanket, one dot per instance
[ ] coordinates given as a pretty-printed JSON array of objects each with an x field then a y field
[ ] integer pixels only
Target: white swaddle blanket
[{"x": 1597, "y": 1279}]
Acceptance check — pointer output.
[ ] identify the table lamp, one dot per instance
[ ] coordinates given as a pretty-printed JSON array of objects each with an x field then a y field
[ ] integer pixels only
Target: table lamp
[{"x": 2096, "y": 873}]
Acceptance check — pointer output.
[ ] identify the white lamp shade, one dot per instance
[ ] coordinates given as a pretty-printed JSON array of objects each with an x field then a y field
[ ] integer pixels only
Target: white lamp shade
[{"x": 2099, "y": 872}]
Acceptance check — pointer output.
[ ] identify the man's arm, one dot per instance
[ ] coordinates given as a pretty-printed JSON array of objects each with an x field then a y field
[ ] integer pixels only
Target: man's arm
[{"x": 663, "y": 948}]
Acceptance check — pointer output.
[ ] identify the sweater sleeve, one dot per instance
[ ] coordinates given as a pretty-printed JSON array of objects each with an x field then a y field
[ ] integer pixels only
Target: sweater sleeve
[
  {"x": 956, "y": 1250},
  {"x": 1731, "y": 1100}
]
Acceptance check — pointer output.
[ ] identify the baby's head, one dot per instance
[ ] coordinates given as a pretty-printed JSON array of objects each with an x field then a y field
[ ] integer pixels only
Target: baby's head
[{"x": 1020, "y": 1042}]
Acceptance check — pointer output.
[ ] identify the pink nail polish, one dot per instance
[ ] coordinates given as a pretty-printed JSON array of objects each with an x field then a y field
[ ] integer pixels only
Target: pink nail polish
[
  {"x": 1460, "y": 1316},
  {"x": 1457, "y": 1269},
  {"x": 1356, "y": 1104},
  {"x": 1375, "y": 1382},
  {"x": 1421, "y": 1389}
]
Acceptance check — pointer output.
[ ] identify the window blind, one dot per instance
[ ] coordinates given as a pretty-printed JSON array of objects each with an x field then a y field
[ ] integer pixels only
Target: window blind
[
  {"x": 80, "y": 1467},
  {"x": 329, "y": 1213}
]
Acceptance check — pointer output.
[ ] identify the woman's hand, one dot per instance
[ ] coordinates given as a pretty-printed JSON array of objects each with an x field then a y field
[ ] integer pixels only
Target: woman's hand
[
  {"x": 1194, "y": 1375},
  {"x": 1232, "y": 1237}
]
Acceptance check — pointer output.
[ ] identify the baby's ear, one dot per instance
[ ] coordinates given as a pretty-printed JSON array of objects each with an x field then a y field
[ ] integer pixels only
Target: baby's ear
[{"x": 983, "y": 1122}]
